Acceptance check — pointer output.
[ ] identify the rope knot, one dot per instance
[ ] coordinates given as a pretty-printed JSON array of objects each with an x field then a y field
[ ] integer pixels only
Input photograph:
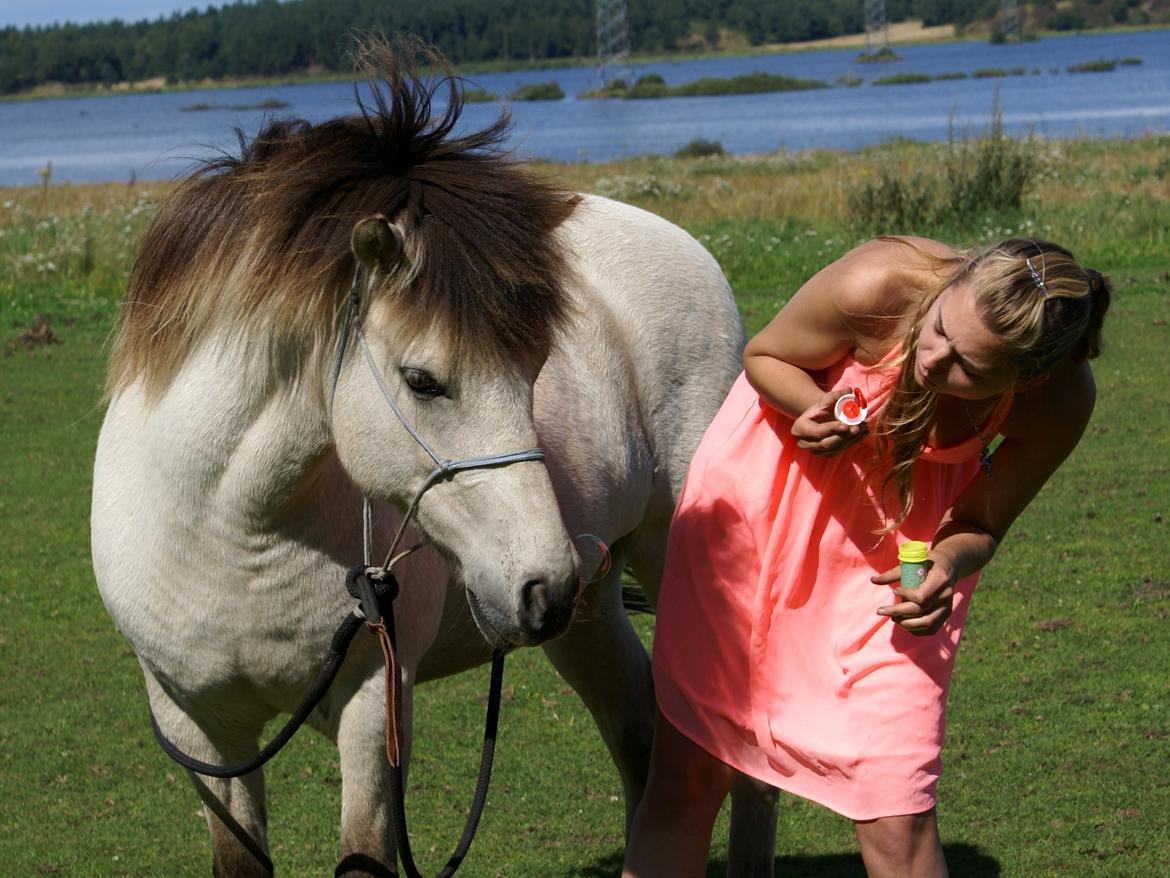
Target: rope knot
[{"x": 370, "y": 586}]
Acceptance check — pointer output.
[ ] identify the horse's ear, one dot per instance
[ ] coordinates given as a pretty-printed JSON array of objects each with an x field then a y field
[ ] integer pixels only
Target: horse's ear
[{"x": 377, "y": 243}]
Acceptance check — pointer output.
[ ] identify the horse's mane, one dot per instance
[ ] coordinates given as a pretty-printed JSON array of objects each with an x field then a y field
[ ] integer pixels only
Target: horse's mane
[{"x": 260, "y": 242}]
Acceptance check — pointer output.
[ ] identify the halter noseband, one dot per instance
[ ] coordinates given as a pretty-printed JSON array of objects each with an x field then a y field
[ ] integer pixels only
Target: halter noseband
[{"x": 444, "y": 468}]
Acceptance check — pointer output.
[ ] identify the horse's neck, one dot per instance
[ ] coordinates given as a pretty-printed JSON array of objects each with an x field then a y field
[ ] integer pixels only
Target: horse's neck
[{"x": 231, "y": 445}]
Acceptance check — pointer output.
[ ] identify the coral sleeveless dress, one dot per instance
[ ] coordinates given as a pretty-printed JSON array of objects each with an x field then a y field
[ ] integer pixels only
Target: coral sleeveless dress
[{"x": 768, "y": 651}]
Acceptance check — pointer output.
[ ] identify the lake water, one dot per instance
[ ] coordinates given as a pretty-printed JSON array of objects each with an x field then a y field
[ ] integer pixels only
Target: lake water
[{"x": 150, "y": 136}]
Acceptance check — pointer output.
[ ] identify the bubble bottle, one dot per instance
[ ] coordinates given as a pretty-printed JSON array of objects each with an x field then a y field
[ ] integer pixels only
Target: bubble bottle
[{"x": 912, "y": 558}]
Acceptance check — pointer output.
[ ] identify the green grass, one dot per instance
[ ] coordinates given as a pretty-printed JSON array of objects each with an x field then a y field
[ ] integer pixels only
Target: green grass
[{"x": 1060, "y": 706}]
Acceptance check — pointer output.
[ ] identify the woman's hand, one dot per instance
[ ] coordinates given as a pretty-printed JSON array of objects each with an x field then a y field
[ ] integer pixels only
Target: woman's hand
[
  {"x": 925, "y": 609},
  {"x": 819, "y": 432}
]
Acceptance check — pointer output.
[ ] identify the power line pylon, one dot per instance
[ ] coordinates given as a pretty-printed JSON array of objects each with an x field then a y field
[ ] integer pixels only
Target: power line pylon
[
  {"x": 876, "y": 37},
  {"x": 613, "y": 42},
  {"x": 1009, "y": 20}
]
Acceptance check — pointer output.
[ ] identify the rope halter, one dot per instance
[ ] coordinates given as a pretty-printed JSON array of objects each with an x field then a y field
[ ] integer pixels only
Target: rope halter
[{"x": 444, "y": 468}]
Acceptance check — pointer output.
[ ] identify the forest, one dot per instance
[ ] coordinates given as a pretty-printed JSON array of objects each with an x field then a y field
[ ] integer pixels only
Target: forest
[{"x": 267, "y": 38}]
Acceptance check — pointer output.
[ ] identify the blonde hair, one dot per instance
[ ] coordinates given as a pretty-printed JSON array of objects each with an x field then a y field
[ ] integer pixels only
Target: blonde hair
[{"x": 1043, "y": 306}]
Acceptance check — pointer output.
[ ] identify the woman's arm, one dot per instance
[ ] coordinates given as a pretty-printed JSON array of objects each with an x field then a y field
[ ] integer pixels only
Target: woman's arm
[
  {"x": 814, "y": 330},
  {"x": 1045, "y": 425}
]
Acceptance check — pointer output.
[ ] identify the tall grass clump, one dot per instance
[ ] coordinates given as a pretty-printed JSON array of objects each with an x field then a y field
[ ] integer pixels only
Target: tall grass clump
[
  {"x": 889, "y": 202},
  {"x": 982, "y": 176},
  {"x": 700, "y": 147},
  {"x": 989, "y": 174}
]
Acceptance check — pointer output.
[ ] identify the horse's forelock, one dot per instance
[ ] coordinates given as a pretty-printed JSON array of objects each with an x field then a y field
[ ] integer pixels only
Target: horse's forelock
[
  {"x": 485, "y": 297},
  {"x": 490, "y": 272}
]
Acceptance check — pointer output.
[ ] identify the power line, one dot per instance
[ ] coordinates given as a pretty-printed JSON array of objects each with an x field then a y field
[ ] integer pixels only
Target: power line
[
  {"x": 1009, "y": 20},
  {"x": 876, "y": 37},
  {"x": 613, "y": 42}
]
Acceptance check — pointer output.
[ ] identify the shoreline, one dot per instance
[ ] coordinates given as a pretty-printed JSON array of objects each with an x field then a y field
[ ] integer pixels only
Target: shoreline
[
  {"x": 899, "y": 34},
  {"x": 744, "y": 162}
]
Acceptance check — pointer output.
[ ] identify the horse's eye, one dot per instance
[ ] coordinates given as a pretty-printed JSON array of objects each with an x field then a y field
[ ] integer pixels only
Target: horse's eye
[{"x": 422, "y": 383}]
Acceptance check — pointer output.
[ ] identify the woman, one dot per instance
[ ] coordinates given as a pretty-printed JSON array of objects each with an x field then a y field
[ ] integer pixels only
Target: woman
[{"x": 785, "y": 648}]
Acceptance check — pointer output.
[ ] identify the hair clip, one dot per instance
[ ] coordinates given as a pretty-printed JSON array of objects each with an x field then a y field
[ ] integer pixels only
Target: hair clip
[{"x": 1037, "y": 279}]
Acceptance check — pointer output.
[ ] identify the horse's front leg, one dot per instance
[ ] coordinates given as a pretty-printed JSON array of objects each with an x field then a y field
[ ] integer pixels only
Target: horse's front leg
[
  {"x": 604, "y": 661},
  {"x": 367, "y": 835},
  {"x": 752, "y": 847},
  {"x": 234, "y": 808}
]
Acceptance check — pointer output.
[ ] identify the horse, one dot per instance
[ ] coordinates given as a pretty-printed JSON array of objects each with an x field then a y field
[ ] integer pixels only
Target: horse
[{"x": 496, "y": 314}]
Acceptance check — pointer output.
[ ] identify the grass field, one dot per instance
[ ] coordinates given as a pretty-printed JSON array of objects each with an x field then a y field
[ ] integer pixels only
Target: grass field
[{"x": 1060, "y": 708}]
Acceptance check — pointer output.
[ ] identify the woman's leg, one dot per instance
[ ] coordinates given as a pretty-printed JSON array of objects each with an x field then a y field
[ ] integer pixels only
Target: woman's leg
[
  {"x": 906, "y": 846},
  {"x": 671, "y": 835}
]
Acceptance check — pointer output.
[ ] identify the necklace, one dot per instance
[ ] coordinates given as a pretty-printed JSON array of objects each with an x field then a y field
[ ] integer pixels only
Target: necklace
[{"x": 985, "y": 452}]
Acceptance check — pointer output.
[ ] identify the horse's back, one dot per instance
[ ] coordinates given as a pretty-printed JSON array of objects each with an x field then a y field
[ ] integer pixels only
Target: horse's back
[
  {"x": 653, "y": 349},
  {"x": 671, "y": 298},
  {"x": 674, "y": 311}
]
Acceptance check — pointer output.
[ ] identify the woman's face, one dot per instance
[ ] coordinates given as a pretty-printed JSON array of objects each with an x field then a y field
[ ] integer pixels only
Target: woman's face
[{"x": 957, "y": 354}]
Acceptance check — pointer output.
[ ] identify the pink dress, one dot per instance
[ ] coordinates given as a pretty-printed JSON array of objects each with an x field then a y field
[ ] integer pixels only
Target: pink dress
[{"x": 768, "y": 651}]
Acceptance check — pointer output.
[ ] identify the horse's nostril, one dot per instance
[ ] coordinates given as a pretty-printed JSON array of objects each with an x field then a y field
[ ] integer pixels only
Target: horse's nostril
[
  {"x": 546, "y": 606},
  {"x": 536, "y": 602},
  {"x": 543, "y": 614}
]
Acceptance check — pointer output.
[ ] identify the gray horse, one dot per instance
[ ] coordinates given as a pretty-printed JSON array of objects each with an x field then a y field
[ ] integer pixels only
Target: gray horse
[{"x": 493, "y": 314}]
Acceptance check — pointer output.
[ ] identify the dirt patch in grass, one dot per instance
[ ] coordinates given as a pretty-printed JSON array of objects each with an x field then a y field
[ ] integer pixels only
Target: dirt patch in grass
[
  {"x": 37, "y": 335},
  {"x": 1152, "y": 590}
]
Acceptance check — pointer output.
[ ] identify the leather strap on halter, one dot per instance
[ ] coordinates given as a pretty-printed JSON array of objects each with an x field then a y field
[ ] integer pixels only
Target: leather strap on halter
[
  {"x": 392, "y": 701},
  {"x": 363, "y": 583},
  {"x": 376, "y": 590}
]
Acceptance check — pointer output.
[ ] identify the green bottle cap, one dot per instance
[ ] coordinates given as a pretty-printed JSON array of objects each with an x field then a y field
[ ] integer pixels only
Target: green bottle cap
[{"x": 912, "y": 552}]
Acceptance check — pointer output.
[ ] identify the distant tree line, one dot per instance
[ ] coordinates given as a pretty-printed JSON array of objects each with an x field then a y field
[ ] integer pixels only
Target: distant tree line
[{"x": 271, "y": 38}]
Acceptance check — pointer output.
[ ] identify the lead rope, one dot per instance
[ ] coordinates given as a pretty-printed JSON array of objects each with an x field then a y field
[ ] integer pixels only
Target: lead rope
[
  {"x": 373, "y": 593},
  {"x": 383, "y": 625}
]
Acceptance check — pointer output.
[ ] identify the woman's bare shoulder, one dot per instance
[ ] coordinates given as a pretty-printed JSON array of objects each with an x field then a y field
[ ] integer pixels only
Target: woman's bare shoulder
[{"x": 886, "y": 277}]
